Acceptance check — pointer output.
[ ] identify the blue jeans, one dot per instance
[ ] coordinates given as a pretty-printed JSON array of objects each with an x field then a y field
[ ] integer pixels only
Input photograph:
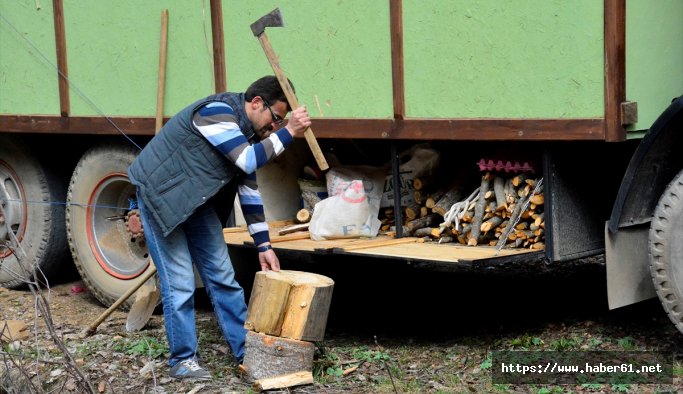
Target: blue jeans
[{"x": 199, "y": 240}]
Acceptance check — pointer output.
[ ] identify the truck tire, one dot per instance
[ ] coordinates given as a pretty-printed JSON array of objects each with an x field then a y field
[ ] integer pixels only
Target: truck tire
[
  {"x": 32, "y": 200},
  {"x": 666, "y": 250},
  {"x": 109, "y": 258}
]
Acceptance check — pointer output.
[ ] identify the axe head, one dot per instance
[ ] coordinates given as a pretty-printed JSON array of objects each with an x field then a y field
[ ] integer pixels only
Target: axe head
[{"x": 271, "y": 19}]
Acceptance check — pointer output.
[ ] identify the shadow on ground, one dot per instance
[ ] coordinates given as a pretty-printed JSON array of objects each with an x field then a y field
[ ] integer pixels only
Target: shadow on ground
[{"x": 389, "y": 298}]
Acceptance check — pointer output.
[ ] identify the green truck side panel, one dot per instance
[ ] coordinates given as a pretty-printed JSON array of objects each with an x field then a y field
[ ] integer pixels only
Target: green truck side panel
[
  {"x": 504, "y": 59},
  {"x": 28, "y": 84},
  {"x": 337, "y": 54},
  {"x": 654, "y": 56},
  {"x": 465, "y": 59},
  {"x": 113, "y": 52}
]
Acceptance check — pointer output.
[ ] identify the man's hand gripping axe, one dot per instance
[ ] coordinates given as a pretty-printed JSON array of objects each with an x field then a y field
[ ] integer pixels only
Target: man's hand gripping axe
[{"x": 274, "y": 19}]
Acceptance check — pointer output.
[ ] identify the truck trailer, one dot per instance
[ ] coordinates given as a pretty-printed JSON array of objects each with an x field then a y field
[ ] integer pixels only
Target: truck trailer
[{"x": 589, "y": 91}]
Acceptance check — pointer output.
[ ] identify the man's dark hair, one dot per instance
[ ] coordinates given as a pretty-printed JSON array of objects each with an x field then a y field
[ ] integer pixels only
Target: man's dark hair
[{"x": 268, "y": 88}]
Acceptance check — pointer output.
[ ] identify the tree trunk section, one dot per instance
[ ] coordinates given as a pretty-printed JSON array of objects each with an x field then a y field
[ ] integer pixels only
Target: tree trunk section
[
  {"x": 290, "y": 304},
  {"x": 447, "y": 200},
  {"x": 266, "y": 356}
]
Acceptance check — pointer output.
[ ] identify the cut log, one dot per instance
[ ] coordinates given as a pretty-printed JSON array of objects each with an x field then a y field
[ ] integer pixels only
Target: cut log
[
  {"x": 499, "y": 190},
  {"x": 445, "y": 239},
  {"x": 427, "y": 221},
  {"x": 293, "y": 228},
  {"x": 266, "y": 356},
  {"x": 434, "y": 198},
  {"x": 538, "y": 246},
  {"x": 303, "y": 215},
  {"x": 423, "y": 182},
  {"x": 412, "y": 211},
  {"x": 516, "y": 213},
  {"x": 283, "y": 381},
  {"x": 537, "y": 199},
  {"x": 491, "y": 224},
  {"x": 290, "y": 304},
  {"x": 446, "y": 202},
  {"x": 423, "y": 232},
  {"x": 418, "y": 196},
  {"x": 518, "y": 180},
  {"x": 479, "y": 211}
]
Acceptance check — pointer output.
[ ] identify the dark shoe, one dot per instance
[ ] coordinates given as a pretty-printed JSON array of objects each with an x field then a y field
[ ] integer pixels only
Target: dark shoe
[{"x": 189, "y": 369}]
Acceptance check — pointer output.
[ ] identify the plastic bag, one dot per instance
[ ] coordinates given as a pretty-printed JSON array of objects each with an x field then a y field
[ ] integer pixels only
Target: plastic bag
[{"x": 353, "y": 205}]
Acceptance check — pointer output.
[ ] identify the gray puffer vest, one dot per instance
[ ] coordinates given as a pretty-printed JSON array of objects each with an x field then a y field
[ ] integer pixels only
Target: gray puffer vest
[{"x": 179, "y": 170}]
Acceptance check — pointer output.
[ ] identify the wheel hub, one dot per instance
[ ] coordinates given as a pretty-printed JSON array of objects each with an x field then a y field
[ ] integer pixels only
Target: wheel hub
[
  {"x": 134, "y": 224},
  {"x": 116, "y": 239},
  {"x": 14, "y": 208}
]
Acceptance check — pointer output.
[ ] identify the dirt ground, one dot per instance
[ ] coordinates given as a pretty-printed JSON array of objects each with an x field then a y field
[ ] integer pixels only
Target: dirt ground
[{"x": 388, "y": 331}]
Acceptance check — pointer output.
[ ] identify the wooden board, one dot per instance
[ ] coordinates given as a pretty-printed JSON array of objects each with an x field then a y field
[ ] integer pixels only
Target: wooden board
[{"x": 382, "y": 246}]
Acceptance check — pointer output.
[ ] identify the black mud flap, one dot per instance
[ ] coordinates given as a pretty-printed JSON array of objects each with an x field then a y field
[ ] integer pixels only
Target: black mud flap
[{"x": 581, "y": 182}]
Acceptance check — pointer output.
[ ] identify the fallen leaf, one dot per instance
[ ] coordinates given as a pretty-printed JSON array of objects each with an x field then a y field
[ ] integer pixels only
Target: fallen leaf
[
  {"x": 101, "y": 386},
  {"x": 71, "y": 385}
]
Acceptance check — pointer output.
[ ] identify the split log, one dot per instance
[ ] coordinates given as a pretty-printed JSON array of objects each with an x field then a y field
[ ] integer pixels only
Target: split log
[
  {"x": 446, "y": 202},
  {"x": 290, "y": 304},
  {"x": 267, "y": 356},
  {"x": 283, "y": 381}
]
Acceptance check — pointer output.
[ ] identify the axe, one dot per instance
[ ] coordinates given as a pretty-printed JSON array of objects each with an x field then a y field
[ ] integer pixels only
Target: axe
[{"x": 274, "y": 19}]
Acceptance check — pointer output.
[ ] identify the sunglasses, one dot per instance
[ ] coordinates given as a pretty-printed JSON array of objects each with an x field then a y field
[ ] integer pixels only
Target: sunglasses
[{"x": 276, "y": 118}]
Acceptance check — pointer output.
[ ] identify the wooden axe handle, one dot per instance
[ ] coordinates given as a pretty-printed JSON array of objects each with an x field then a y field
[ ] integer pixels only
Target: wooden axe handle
[
  {"x": 93, "y": 327},
  {"x": 291, "y": 98},
  {"x": 161, "y": 78}
]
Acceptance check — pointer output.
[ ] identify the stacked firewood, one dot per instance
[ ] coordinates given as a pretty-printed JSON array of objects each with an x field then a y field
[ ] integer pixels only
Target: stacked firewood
[
  {"x": 505, "y": 211},
  {"x": 429, "y": 205}
]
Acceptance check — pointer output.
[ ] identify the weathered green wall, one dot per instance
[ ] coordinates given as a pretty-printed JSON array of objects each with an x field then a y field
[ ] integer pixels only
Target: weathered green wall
[
  {"x": 113, "y": 51},
  {"x": 654, "y": 56},
  {"x": 339, "y": 52},
  {"x": 507, "y": 59},
  {"x": 464, "y": 59},
  {"x": 28, "y": 84}
]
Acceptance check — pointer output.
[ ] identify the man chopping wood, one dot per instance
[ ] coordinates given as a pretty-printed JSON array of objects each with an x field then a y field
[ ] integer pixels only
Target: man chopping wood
[{"x": 186, "y": 179}]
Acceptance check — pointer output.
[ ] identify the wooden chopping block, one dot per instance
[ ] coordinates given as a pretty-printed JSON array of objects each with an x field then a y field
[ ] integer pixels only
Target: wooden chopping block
[
  {"x": 267, "y": 356},
  {"x": 290, "y": 304}
]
